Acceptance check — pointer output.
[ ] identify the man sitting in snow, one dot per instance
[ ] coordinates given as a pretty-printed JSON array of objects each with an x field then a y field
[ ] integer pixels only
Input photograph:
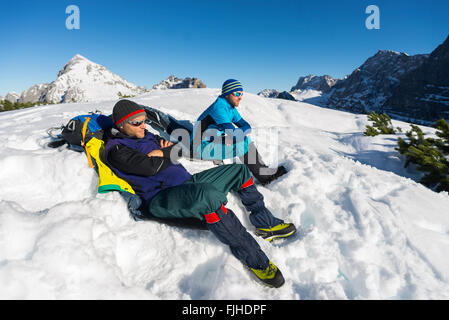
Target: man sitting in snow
[
  {"x": 169, "y": 191},
  {"x": 217, "y": 123}
]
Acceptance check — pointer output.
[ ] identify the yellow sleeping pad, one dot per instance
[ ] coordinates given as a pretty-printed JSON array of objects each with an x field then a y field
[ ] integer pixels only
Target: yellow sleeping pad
[{"x": 108, "y": 180}]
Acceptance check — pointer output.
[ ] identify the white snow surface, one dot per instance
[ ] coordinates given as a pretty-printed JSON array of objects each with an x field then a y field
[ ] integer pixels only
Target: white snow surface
[{"x": 367, "y": 229}]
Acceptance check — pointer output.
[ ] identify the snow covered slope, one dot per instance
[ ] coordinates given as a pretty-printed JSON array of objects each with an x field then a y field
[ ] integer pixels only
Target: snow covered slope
[{"x": 369, "y": 231}]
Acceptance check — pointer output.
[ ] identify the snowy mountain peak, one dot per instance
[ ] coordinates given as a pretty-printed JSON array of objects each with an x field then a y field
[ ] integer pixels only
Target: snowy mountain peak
[
  {"x": 388, "y": 52},
  {"x": 391, "y": 53},
  {"x": 78, "y": 57},
  {"x": 10, "y": 96},
  {"x": 319, "y": 83},
  {"x": 81, "y": 63},
  {"x": 76, "y": 60},
  {"x": 82, "y": 80}
]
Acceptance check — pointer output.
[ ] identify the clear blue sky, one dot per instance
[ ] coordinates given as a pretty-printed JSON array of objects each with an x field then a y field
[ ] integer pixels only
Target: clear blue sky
[{"x": 264, "y": 44}]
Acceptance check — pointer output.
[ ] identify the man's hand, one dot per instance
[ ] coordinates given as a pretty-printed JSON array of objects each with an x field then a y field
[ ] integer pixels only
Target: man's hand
[
  {"x": 158, "y": 152},
  {"x": 165, "y": 143},
  {"x": 155, "y": 153}
]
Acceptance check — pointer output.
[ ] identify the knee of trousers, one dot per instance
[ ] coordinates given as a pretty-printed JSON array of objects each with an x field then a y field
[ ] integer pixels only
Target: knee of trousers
[
  {"x": 245, "y": 174},
  {"x": 227, "y": 227},
  {"x": 251, "y": 198},
  {"x": 208, "y": 197},
  {"x": 240, "y": 167},
  {"x": 187, "y": 200},
  {"x": 244, "y": 168}
]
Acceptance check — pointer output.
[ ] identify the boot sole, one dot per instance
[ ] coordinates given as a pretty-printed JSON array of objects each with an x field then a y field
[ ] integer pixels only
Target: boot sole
[{"x": 274, "y": 237}]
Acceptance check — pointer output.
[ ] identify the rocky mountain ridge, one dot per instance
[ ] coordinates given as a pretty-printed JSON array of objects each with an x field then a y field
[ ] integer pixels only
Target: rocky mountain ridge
[
  {"x": 424, "y": 92},
  {"x": 414, "y": 88},
  {"x": 368, "y": 87},
  {"x": 173, "y": 82}
]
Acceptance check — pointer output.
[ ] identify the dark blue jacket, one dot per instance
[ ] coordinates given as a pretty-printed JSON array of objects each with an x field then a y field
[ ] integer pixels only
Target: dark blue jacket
[{"x": 146, "y": 185}]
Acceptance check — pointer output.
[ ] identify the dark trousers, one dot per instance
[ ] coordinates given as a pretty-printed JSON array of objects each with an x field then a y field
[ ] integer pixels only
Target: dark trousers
[
  {"x": 255, "y": 164},
  {"x": 204, "y": 197}
]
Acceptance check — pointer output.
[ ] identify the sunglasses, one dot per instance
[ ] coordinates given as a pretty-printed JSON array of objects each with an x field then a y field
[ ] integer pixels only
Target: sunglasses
[
  {"x": 237, "y": 94},
  {"x": 136, "y": 123}
]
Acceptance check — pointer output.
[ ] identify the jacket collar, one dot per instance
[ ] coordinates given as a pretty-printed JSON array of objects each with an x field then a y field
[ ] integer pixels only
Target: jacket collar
[{"x": 115, "y": 133}]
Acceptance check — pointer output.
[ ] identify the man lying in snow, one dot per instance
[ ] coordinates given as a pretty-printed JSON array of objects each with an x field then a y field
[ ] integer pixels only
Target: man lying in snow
[
  {"x": 169, "y": 191},
  {"x": 215, "y": 136}
]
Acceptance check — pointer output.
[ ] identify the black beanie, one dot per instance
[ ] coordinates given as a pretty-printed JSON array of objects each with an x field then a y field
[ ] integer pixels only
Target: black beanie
[{"x": 126, "y": 110}]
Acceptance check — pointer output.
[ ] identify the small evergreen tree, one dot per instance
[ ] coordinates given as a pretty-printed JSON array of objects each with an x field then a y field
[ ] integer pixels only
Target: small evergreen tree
[
  {"x": 370, "y": 131},
  {"x": 443, "y": 133},
  {"x": 8, "y": 105},
  {"x": 381, "y": 124},
  {"x": 123, "y": 96},
  {"x": 427, "y": 155}
]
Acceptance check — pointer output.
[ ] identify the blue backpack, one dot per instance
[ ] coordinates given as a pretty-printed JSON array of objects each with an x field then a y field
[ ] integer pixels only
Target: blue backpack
[{"x": 81, "y": 129}]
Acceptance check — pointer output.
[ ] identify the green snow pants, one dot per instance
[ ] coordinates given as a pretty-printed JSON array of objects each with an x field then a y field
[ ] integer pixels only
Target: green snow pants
[{"x": 203, "y": 194}]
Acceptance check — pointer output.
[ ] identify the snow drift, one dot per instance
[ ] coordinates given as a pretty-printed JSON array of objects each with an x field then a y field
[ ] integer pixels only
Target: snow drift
[{"x": 369, "y": 231}]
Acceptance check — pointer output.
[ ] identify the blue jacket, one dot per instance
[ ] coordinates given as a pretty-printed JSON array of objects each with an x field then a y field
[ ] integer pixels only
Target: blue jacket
[
  {"x": 217, "y": 118},
  {"x": 146, "y": 186}
]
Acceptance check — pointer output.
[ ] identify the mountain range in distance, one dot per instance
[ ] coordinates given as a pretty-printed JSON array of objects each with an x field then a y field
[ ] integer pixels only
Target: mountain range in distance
[
  {"x": 81, "y": 80},
  {"x": 410, "y": 88}
]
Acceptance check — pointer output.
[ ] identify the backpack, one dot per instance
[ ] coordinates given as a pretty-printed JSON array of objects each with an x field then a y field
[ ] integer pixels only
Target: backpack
[{"x": 79, "y": 130}]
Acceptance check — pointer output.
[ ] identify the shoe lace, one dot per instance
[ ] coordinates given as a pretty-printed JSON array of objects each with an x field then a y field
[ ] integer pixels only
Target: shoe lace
[{"x": 271, "y": 269}]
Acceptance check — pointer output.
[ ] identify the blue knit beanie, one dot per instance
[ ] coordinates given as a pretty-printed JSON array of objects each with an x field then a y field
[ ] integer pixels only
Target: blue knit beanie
[{"x": 230, "y": 86}]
